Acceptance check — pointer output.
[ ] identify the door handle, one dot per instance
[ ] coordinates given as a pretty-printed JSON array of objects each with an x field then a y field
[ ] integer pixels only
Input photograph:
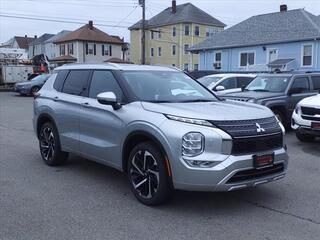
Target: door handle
[
  {"x": 56, "y": 98},
  {"x": 85, "y": 104}
]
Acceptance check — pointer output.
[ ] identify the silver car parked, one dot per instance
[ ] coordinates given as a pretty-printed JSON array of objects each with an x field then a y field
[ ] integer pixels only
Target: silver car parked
[{"x": 138, "y": 120}]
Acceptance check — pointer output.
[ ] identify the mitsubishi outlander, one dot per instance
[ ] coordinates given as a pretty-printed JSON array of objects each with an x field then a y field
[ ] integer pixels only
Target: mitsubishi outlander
[{"x": 163, "y": 129}]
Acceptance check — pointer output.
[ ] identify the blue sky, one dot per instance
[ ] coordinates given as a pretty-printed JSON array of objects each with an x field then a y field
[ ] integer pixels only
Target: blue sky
[{"x": 117, "y": 15}]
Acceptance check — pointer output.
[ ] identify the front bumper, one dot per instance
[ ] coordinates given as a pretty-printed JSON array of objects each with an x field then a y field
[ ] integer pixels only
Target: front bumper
[
  {"x": 222, "y": 177},
  {"x": 303, "y": 126}
]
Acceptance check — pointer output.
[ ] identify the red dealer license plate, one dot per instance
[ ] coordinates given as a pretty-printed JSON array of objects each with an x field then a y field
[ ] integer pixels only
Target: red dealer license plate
[
  {"x": 315, "y": 125},
  {"x": 263, "y": 160}
]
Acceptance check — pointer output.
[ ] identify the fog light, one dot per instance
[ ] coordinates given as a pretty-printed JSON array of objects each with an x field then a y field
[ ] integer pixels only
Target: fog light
[
  {"x": 192, "y": 144},
  {"x": 200, "y": 164}
]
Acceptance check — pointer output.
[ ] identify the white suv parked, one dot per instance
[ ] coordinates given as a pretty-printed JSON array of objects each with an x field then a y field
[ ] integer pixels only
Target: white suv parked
[
  {"x": 226, "y": 82},
  {"x": 306, "y": 119}
]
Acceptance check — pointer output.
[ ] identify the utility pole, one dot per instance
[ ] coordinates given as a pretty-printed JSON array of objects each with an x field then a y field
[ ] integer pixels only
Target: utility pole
[{"x": 142, "y": 3}]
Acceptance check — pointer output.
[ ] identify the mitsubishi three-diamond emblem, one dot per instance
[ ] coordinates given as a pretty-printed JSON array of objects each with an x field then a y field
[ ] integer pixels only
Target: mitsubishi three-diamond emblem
[{"x": 259, "y": 128}]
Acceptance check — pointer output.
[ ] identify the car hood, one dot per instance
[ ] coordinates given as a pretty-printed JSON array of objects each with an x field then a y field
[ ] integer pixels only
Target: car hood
[
  {"x": 218, "y": 110},
  {"x": 23, "y": 83},
  {"x": 313, "y": 101},
  {"x": 252, "y": 95}
]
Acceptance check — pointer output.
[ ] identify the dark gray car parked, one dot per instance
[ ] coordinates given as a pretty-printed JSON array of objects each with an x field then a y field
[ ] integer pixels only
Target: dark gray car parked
[
  {"x": 32, "y": 86},
  {"x": 280, "y": 92}
]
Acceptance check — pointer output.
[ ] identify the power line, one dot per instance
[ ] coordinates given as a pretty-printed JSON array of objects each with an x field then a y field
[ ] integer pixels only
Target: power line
[{"x": 60, "y": 21}]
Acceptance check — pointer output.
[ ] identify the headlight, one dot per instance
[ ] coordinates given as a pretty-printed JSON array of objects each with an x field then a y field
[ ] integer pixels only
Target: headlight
[
  {"x": 190, "y": 120},
  {"x": 192, "y": 144},
  {"x": 297, "y": 109},
  {"x": 252, "y": 100}
]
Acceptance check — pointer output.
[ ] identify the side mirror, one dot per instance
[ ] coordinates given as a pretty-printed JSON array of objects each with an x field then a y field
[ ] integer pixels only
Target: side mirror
[
  {"x": 220, "y": 88},
  {"x": 295, "y": 91},
  {"x": 108, "y": 98}
]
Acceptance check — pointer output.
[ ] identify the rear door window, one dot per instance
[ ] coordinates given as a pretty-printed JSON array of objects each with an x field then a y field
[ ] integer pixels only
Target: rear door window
[
  {"x": 301, "y": 83},
  {"x": 76, "y": 82},
  {"x": 316, "y": 82},
  {"x": 104, "y": 81},
  {"x": 229, "y": 83}
]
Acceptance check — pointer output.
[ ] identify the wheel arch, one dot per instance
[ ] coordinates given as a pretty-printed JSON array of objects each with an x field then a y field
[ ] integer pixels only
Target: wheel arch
[
  {"x": 137, "y": 137},
  {"x": 42, "y": 119}
]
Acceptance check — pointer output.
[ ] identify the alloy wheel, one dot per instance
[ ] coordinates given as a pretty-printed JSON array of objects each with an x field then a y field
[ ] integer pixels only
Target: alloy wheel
[
  {"x": 144, "y": 174},
  {"x": 47, "y": 144}
]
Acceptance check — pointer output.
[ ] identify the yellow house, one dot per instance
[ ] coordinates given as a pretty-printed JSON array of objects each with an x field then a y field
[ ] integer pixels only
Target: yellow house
[{"x": 170, "y": 33}]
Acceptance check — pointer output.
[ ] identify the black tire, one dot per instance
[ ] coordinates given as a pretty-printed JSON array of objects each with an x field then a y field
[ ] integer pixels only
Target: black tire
[
  {"x": 281, "y": 118},
  {"x": 305, "y": 137},
  {"x": 49, "y": 144},
  {"x": 34, "y": 90},
  {"x": 156, "y": 188}
]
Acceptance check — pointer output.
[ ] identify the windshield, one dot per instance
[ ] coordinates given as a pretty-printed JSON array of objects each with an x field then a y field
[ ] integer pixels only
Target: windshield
[
  {"x": 166, "y": 86},
  {"x": 207, "y": 81},
  {"x": 268, "y": 84},
  {"x": 41, "y": 77}
]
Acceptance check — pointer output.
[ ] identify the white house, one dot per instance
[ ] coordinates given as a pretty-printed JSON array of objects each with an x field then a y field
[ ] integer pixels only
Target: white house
[
  {"x": 37, "y": 46},
  {"x": 88, "y": 44}
]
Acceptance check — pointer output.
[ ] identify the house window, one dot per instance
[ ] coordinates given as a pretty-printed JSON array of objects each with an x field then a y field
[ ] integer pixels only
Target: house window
[
  {"x": 186, "y": 47},
  {"x": 151, "y": 34},
  {"x": 186, "y": 67},
  {"x": 105, "y": 50},
  {"x": 173, "y": 49},
  {"x": 246, "y": 59},
  {"x": 186, "y": 30},
  {"x": 62, "y": 50},
  {"x": 197, "y": 31},
  {"x": 159, "y": 33},
  {"x": 173, "y": 64},
  {"x": 110, "y": 50},
  {"x": 307, "y": 55},
  {"x": 159, "y": 51},
  {"x": 210, "y": 31},
  {"x": 174, "y": 31},
  {"x": 196, "y": 67},
  {"x": 217, "y": 57},
  {"x": 70, "y": 48},
  {"x": 151, "y": 52},
  {"x": 90, "y": 48}
]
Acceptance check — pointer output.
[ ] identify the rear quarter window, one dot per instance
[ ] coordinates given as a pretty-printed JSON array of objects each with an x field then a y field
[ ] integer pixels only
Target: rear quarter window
[{"x": 61, "y": 76}]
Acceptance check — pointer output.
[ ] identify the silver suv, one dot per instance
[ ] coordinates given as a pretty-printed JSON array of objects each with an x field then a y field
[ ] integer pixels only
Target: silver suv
[{"x": 164, "y": 129}]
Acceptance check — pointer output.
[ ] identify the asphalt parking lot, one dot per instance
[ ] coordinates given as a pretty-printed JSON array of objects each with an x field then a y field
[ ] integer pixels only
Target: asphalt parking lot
[{"x": 85, "y": 200}]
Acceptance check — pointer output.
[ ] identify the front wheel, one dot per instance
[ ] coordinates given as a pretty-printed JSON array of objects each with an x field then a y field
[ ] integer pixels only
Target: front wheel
[
  {"x": 50, "y": 147},
  {"x": 147, "y": 174},
  {"x": 305, "y": 137}
]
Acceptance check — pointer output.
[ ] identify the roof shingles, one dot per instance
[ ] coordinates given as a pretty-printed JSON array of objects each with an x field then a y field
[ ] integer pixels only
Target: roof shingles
[
  {"x": 185, "y": 13},
  {"x": 89, "y": 34},
  {"x": 289, "y": 26}
]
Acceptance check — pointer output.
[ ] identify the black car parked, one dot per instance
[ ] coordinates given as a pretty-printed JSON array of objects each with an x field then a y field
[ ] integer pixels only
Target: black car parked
[{"x": 280, "y": 92}]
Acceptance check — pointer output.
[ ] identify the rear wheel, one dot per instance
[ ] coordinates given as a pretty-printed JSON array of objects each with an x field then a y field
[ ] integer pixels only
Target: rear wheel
[
  {"x": 305, "y": 137},
  {"x": 147, "y": 174},
  {"x": 50, "y": 147}
]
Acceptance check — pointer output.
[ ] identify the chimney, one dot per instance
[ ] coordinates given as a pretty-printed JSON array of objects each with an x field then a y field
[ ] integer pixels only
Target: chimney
[
  {"x": 35, "y": 36},
  {"x": 174, "y": 6},
  {"x": 25, "y": 36},
  {"x": 283, "y": 8},
  {"x": 91, "y": 24}
]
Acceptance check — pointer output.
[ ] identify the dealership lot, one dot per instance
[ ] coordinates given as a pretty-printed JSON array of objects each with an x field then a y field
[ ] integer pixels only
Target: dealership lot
[{"x": 85, "y": 200}]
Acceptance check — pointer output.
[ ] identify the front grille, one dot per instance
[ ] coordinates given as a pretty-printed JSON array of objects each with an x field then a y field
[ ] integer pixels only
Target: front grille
[
  {"x": 310, "y": 111},
  {"x": 243, "y": 128},
  {"x": 255, "y": 173},
  {"x": 249, "y": 145},
  {"x": 310, "y": 118},
  {"x": 237, "y": 99}
]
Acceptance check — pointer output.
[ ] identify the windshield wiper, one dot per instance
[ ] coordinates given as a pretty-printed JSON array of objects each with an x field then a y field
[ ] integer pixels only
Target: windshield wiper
[{"x": 261, "y": 90}]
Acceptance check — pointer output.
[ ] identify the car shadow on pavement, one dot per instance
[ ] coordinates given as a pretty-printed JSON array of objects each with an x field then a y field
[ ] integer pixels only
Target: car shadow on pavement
[{"x": 181, "y": 201}]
